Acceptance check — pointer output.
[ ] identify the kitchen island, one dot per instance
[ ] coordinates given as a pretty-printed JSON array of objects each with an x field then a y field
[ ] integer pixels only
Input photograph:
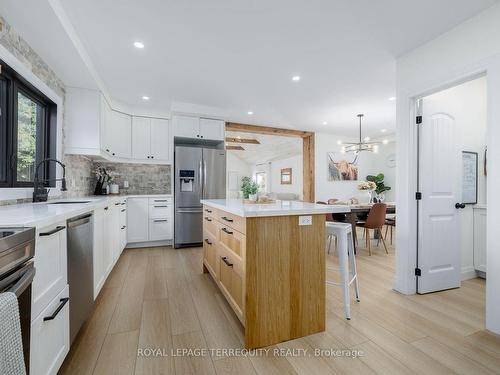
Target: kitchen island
[{"x": 269, "y": 262}]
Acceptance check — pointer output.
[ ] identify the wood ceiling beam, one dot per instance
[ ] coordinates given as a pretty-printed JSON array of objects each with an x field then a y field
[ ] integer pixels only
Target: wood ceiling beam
[
  {"x": 237, "y": 148},
  {"x": 247, "y": 128},
  {"x": 242, "y": 140}
]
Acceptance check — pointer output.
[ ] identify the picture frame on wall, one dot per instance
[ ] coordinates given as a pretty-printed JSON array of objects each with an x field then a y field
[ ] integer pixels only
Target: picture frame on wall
[
  {"x": 286, "y": 176},
  {"x": 469, "y": 177}
]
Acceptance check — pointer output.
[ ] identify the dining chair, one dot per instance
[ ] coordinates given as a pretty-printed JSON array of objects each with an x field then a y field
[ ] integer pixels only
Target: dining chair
[
  {"x": 390, "y": 222},
  {"x": 375, "y": 221}
]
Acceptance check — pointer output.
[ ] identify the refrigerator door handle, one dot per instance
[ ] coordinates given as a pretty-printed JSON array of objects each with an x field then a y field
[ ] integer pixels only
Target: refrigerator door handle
[
  {"x": 200, "y": 177},
  {"x": 204, "y": 177}
]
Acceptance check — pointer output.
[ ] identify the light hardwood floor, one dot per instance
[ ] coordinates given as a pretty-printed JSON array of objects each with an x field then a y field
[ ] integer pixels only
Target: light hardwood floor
[{"x": 158, "y": 298}]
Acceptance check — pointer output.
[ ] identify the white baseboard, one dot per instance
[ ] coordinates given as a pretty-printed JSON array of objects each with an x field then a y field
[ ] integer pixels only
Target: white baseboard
[
  {"x": 136, "y": 245},
  {"x": 468, "y": 273}
]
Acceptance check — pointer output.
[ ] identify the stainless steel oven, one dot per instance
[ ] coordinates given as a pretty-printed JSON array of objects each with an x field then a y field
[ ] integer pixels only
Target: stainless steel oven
[{"x": 17, "y": 248}]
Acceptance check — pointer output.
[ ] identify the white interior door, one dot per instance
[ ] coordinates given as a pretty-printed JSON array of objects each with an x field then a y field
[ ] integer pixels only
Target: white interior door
[{"x": 439, "y": 253}]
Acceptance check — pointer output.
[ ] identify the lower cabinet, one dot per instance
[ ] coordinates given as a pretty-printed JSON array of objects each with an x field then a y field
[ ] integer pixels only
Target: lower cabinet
[
  {"x": 99, "y": 253},
  {"x": 210, "y": 252},
  {"x": 160, "y": 229},
  {"x": 230, "y": 277},
  {"x": 138, "y": 220},
  {"x": 149, "y": 219},
  {"x": 50, "y": 336}
]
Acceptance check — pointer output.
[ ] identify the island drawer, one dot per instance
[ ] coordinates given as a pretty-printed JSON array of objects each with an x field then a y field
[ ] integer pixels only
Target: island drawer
[
  {"x": 232, "y": 221},
  {"x": 231, "y": 277},
  {"x": 210, "y": 252},
  {"x": 210, "y": 225},
  {"x": 232, "y": 240}
]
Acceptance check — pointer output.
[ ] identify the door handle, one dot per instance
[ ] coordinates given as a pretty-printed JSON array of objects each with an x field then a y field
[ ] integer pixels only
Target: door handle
[
  {"x": 459, "y": 205},
  {"x": 224, "y": 259},
  {"x": 225, "y": 230},
  {"x": 59, "y": 308}
]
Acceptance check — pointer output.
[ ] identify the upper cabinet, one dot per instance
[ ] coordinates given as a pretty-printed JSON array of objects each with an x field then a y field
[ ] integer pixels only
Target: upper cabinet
[
  {"x": 151, "y": 139},
  {"x": 93, "y": 128},
  {"x": 198, "y": 128}
]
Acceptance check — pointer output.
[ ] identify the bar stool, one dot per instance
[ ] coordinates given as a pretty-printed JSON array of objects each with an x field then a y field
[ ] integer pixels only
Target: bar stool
[{"x": 345, "y": 251}]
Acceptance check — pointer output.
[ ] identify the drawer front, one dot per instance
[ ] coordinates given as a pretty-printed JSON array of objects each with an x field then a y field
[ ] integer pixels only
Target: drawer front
[
  {"x": 210, "y": 225},
  {"x": 160, "y": 200},
  {"x": 210, "y": 212},
  {"x": 51, "y": 266},
  {"x": 160, "y": 229},
  {"x": 232, "y": 240},
  {"x": 210, "y": 252},
  {"x": 231, "y": 276},
  {"x": 50, "y": 337},
  {"x": 233, "y": 221},
  {"x": 160, "y": 210}
]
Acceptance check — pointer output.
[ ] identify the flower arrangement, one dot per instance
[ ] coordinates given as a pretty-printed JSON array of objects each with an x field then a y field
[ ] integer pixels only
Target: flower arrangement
[{"x": 367, "y": 185}]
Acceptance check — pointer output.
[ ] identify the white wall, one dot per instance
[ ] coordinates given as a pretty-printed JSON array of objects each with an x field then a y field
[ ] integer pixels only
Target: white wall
[
  {"x": 469, "y": 49},
  {"x": 467, "y": 104},
  {"x": 294, "y": 162},
  {"x": 235, "y": 165},
  {"x": 368, "y": 163}
]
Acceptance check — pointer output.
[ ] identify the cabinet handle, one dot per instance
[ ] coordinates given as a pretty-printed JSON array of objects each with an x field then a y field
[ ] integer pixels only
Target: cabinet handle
[
  {"x": 51, "y": 232},
  {"x": 124, "y": 227},
  {"x": 227, "y": 219},
  {"x": 209, "y": 211},
  {"x": 160, "y": 221},
  {"x": 107, "y": 150},
  {"x": 124, "y": 210},
  {"x": 224, "y": 259},
  {"x": 208, "y": 219},
  {"x": 160, "y": 200},
  {"x": 160, "y": 206},
  {"x": 225, "y": 230},
  {"x": 59, "y": 308},
  {"x": 117, "y": 204},
  {"x": 113, "y": 154},
  {"x": 106, "y": 208},
  {"x": 152, "y": 157},
  {"x": 208, "y": 242}
]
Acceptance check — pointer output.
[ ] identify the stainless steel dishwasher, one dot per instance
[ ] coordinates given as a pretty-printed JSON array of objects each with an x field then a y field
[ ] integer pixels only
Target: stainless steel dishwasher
[{"x": 80, "y": 270}]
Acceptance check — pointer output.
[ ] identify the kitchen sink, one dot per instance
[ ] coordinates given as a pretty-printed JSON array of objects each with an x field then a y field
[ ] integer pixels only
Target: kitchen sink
[{"x": 69, "y": 202}]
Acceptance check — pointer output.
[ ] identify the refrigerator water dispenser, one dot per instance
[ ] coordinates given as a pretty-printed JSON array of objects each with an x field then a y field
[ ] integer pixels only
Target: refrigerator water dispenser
[{"x": 186, "y": 178}]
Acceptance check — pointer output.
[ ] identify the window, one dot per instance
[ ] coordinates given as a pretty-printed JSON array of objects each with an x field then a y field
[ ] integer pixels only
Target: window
[
  {"x": 27, "y": 130},
  {"x": 260, "y": 178}
]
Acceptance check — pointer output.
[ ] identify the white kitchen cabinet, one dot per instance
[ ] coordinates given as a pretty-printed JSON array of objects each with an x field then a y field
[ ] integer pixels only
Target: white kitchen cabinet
[
  {"x": 99, "y": 260},
  {"x": 186, "y": 126},
  {"x": 151, "y": 140},
  {"x": 50, "y": 336},
  {"x": 198, "y": 128},
  {"x": 212, "y": 129},
  {"x": 51, "y": 266},
  {"x": 118, "y": 135},
  {"x": 160, "y": 140},
  {"x": 115, "y": 232},
  {"x": 123, "y": 224},
  {"x": 160, "y": 229},
  {"x": 108, "y": 242},
  {"x": 480, "y": 216},
  {"x": 137, "y": 220}
]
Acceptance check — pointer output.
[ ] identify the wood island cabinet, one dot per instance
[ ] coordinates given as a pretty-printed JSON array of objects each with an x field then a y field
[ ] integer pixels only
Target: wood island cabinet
[{"x": 271, "y": 271}]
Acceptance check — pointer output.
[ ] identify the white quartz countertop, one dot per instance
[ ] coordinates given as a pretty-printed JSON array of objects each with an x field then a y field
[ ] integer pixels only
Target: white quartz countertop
[
  {"x": 45, "y": 213},
  {"x": 280, "y": 208}
]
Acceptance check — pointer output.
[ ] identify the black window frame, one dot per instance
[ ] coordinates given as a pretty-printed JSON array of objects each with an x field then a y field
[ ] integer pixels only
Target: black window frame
[{"x": 46, "y": 139}]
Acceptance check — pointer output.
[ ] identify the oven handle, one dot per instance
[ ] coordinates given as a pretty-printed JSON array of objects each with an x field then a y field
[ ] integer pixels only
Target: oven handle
[{"x": 23, "y": 283}]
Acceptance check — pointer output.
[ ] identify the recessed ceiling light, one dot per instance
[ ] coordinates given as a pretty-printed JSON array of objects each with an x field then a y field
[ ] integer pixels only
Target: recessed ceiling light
[
  {"x": 145, "y": 97},
  {"x": 296, "y": 78},
  {"x": 339, "y": 142},
  {"x": 385, "y": 141},
  {"x": 366, "y": 139},
  {"x": 250, "y": 113},
  {"x": 392, "y": 98},
  {"x": 383, "y": 130},
  {"x": 325, "y": 123},
  {"x": 139, "y": 45}
]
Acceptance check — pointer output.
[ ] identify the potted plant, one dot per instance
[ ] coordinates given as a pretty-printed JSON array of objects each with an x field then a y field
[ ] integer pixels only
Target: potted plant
[
  {"x": 380, "y": 187},
  {"x": 249, "y": 188}
]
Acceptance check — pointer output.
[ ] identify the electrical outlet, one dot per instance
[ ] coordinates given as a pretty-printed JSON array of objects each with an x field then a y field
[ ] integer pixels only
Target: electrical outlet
[{"x": 305, "y": 220}]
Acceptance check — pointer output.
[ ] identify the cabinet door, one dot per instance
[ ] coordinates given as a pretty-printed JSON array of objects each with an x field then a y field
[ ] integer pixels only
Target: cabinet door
[
  {"x": 231, "y": 276},
  {"x": 98, "y": 252},
  {"x": 160, "y": 140},
  {"x": 50, "y": 338},
  {"x": 186, "y": 126},
  {"x": 120, "y": 135},
  {"x": 209, "y": 252},
  {"x": 108, "y": 241},
  {"x": 51, "y": 266},
  {"x": 137, "y": 220},
  {"x": 115, "y": 228},
  {"x": 212, "y": 129},
  {"x": 141, "y": 137}
]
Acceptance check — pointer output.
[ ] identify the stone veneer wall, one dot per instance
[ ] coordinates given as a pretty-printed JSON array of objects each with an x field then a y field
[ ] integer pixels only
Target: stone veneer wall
[
  {"x": 78, "y": 168},
  {"x": 142, "y": 178}
]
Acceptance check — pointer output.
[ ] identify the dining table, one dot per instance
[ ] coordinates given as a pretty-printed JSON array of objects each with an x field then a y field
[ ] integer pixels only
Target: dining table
[{"x": 360, "y": 211}]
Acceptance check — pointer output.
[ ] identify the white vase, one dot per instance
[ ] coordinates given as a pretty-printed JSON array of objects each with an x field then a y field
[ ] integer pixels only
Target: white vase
[
  {"x": 252, "y": 197},
  {"x": 364, "y": 196}
]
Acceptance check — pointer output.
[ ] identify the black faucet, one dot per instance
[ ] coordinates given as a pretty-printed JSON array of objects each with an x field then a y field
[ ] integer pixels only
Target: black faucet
[{"x": 40, "y": 192}]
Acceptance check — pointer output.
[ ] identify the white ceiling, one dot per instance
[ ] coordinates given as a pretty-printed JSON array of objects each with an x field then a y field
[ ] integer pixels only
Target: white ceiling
[
  {"x": 271, "y": 147},
  {"x": 239, "y": 56}
]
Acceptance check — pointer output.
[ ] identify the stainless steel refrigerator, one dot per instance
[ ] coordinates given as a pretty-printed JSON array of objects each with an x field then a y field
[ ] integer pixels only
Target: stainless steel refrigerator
[{"x": 200, "y": 173}]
